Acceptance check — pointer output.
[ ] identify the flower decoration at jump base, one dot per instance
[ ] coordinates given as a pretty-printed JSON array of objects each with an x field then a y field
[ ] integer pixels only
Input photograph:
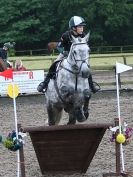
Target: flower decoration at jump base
[
  {"x": 124, "y": 137},
  {"x": 11, "y": 142}
]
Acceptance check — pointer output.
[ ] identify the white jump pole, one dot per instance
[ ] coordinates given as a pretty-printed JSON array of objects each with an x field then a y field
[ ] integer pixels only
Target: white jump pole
[
  {"x": 120, "y": 122},
  {"x": 16, "y": 128}
]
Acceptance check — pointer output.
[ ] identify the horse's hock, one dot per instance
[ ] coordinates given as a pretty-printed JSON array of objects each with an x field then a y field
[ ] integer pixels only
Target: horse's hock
[{"x": 66, "y": 148}]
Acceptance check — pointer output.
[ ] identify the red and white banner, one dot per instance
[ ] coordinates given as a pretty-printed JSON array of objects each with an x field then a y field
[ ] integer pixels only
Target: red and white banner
[{"x": 27, "y": 81}]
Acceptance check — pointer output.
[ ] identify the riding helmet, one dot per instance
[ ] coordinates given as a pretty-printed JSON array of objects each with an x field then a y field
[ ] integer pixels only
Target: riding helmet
[{"x": 76, "y": 21}]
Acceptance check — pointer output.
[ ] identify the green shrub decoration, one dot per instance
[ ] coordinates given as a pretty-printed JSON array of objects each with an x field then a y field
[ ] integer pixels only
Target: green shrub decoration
[{"x": 8, "y": 143}]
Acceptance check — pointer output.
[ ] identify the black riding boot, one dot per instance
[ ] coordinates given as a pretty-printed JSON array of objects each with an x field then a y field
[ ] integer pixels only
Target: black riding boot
[
  {"x": 50, "y": 75},
  {"x": 43, "y": 85},
  {"x": 91, "y": 84}
]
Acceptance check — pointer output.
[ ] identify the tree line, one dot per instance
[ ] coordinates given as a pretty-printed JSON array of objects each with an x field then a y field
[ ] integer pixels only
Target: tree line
[{"x": 34, "y": 23}]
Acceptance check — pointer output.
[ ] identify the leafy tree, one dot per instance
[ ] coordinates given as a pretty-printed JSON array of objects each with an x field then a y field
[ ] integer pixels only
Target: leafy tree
[
  {"x": 33, "y": 23},
  {"x": 110, "y": 21}
]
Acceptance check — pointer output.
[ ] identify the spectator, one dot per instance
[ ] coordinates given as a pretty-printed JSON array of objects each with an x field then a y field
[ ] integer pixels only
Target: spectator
[
  {"x": 3, "y": 53},
  {"x": 19, "y": 66}
]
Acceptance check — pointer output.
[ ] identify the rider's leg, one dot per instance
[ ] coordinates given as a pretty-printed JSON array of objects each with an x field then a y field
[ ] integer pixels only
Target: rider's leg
[
  {"x": 50, "y": 75},
  {"x": 91, "y": 84}
]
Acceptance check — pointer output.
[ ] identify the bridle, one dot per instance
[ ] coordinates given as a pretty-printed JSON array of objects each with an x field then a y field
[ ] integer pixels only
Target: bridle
[{"x": 73, "y": 57}]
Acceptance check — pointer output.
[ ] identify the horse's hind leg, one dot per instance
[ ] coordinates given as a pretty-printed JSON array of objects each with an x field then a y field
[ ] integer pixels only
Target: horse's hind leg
[
  {"x": 86, "y": 104},
  {"x": 58, "y": 114},
  {"x": 54, "y": 115}
]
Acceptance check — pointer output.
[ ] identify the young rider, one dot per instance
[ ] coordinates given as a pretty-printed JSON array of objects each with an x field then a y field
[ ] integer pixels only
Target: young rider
[{"x": 76, "y": 28}]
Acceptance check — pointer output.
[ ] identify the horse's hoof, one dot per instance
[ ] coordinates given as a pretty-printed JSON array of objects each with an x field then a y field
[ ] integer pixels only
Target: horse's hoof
[
  {"x": 81, "y": 118},
  {"x": 79, "y": 115},
  {"x": 71, "y": 123},
  {"x": 86, "y": 114}
]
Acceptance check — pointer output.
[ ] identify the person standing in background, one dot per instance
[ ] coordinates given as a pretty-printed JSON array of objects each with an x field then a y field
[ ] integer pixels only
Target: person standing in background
[
  {"x": 19, "y": 66},
  {"x": 4, "y": 53}
]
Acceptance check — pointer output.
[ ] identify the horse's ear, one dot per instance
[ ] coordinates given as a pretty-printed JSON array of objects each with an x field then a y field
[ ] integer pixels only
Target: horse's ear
[{"x": 87, "y": 36}]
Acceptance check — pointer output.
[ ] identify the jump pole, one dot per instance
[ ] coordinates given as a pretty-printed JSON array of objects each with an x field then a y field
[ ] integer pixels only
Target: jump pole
[{"x": 21, "y": 157}]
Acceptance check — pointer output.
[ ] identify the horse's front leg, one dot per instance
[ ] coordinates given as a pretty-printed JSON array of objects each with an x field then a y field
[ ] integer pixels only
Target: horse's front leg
[
  {"x": 87, "y": 96},
  {"x": 54, "y": 113},
  {"x": 72, "y": 119},
  {"x": 51, "y": 119}
]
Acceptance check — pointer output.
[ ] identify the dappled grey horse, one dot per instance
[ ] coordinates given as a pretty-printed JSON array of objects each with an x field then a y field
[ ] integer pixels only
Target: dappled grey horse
[{"x": 70, "y": 90}]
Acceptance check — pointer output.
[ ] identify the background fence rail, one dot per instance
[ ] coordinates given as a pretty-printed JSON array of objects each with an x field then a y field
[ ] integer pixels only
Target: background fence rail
[
  {"x": 97, "y": 61},
  {"x": 94, "y": 50},
  {"x": 102, "y": 65}
]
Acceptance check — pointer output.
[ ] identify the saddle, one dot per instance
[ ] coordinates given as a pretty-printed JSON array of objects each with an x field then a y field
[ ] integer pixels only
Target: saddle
[{"x": 53, "y": 69}]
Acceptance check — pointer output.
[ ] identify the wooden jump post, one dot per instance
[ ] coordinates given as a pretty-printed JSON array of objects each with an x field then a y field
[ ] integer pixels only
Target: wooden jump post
[
  {"x": 21, "y": 155},
  {"x": 118, "y": 160}
]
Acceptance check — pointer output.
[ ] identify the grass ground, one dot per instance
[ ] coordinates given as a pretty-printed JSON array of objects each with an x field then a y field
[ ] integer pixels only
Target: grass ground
[{"x": 97, "y": 61}]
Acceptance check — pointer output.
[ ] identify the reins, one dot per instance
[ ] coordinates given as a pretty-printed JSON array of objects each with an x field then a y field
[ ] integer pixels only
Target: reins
[{"x": 76, "y": 73}]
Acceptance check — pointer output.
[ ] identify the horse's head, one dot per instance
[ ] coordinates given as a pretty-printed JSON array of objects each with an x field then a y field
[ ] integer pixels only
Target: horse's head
[{"x": 79, "y": 55}]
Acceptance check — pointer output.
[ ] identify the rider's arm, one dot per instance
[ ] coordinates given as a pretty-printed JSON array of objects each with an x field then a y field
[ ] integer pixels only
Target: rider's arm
[
  {"x": 62, "y": 44},
  {"x": 60, "y": 47},
  {"x": 65, "y": 42},
  {"x": 64, "y": 39}
]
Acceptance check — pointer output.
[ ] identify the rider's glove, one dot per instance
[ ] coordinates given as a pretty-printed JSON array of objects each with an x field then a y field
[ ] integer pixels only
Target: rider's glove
[{"x": 40, "y": 87}]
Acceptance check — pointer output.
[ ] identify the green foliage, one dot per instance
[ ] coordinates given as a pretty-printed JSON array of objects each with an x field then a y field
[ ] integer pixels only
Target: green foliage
[
  {"x": 34, "y": 23},
  {"x": 8, "y": 143},
  {"x": 11, "y": 53}
]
